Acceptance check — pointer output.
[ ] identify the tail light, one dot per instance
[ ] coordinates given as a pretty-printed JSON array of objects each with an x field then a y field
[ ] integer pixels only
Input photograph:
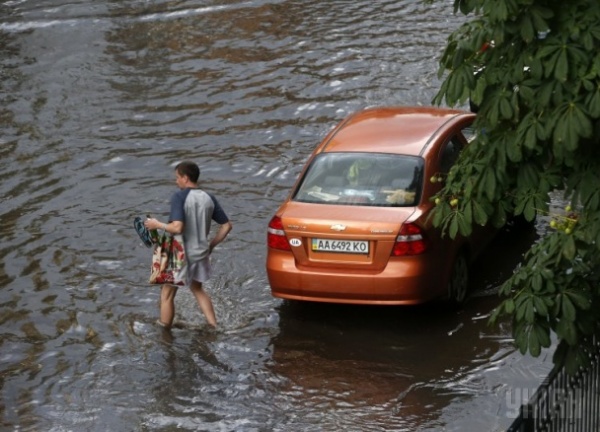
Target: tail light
[
  {"x": 410, "y": 241},
  {"x": 276, "y": 238}
]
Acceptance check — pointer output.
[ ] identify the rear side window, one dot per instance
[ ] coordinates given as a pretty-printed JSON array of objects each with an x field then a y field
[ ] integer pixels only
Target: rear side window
[
  {"x": 469, "y": 133},
  {"x": 450, "y": 154},
  {"x": 373, "y": 179}
]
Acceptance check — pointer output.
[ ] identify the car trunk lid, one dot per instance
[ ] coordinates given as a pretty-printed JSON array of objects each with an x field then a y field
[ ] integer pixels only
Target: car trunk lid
[{"x": 348, "y": 237}]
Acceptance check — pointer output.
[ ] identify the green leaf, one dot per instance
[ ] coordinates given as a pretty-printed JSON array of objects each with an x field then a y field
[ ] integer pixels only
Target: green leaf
[
  {"x": 543, "y": 335},
  {"x": 551, "y": 52},
  {"x": 521, "y": 338},
  {"x": 506, "y": 287},
  {"x": 530, "y": 140},
  {"x": 500, "y": 12},
  {"x": 506, "y": 109},
  {"x": 438, "y": 216},
  {"x": 468, "y": 213},
  {"x": 521, "y": 308},
  {"x": 439, "y": 97},
  {"x": 582, "y": 300},
  {"x": 539, "y": 16},
  {"x": 530, "y": 210},
  {"x": 566, "y": 330},
  {"x": 542, "y": 130},
  {"x": 569, "y": 248},
  {"x": 540, "y": 306},
  {"x": 529, "y": 311},
  {"x": 547, "y": 273},
  {"x": 534, "y": 344},
  {"x": 550, "y": 49},
  {"x": 526, "y": 29},
  {"x": 550, "y": 286},
  {"x": 526, "y": 93},
  {"x": 495, "y": 315},
  {"x": 560, "y": 353},
  {"x": 464, "y": 228},
  {"x": 490, "y": 183},
  {"x": 593, "y": 103},
  {"x": 561, "y": 71},
  {"x": 514, "y": 151},
  {"x": 568, "y": 309},
  {"x": 545, "y": 93},
  {"x": 593, "y": 203},
  {"x": 509, "y": 306},
  {"x": 478, "y": 91},
  {"x": 499, "y": 216},
  {"x": 493, "y": 114},
  {"x": 528, "y": 176},
  {"x": 582, "y": 122},
  {"x": 453, "y": 230},
  {"x": 458, "y": 60},
  {"x": 480, "y": 216},
  {"x": 571, "y": 123}
]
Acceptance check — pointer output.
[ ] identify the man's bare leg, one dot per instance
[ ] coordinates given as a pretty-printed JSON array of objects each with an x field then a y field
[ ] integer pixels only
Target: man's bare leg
[
  {"x": 204, "y": 302},
  {"x": 167, "y": 305}
]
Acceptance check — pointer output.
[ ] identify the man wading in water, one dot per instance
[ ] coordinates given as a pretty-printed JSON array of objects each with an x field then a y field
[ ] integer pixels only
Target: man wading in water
[{"x": 192, "y": 211}]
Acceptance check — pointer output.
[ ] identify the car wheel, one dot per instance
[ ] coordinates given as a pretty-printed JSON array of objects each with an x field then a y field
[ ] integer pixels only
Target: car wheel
[{"x": 458, "y": 285}]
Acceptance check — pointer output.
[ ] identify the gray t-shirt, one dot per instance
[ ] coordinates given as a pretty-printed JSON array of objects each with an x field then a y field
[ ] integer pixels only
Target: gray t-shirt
[{"x": 196, "y": 209}]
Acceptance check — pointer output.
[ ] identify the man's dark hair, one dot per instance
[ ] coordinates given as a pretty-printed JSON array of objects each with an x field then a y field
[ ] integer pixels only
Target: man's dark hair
[{"x": 189, "y": 169}]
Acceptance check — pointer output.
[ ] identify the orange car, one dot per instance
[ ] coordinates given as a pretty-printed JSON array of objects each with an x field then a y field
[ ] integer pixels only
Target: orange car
[{"x": 355, "y": 227}]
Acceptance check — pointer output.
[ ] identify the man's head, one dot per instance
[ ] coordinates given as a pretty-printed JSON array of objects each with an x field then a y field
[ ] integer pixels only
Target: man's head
[{"x": 186, "y": 172}]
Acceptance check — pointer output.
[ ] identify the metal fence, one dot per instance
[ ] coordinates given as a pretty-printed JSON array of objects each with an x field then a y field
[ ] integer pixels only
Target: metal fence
[{"x": 564, "y": 402}]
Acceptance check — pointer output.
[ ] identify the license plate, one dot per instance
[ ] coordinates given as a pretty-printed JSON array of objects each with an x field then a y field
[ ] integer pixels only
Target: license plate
[{"x": 344, "y": 246}]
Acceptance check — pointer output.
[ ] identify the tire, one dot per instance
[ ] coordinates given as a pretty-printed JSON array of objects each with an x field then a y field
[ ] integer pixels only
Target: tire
[{"x": 458, "y": 285}]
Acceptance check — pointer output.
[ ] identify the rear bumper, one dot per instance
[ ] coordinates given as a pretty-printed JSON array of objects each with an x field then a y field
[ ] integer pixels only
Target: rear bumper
[{"x": 405, "y": 281}]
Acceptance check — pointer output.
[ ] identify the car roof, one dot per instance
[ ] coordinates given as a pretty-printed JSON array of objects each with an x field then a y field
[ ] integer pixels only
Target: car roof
[{"x": 402, "y": 130}]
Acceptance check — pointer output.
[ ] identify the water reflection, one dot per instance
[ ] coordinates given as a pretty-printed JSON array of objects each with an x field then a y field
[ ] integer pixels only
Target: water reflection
[{"x": 359, "y": 363}]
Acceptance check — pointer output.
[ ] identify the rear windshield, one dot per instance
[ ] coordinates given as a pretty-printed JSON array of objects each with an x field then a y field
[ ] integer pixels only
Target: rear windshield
[{"x": 374, "y": 179}]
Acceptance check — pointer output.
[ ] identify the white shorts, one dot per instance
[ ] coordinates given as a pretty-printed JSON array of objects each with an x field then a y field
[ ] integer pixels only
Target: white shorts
[{"x": 199, "y": 271}]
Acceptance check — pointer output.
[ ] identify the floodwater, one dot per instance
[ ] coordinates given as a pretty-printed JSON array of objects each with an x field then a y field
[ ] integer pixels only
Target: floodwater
[{"x": 99, "y": 100}]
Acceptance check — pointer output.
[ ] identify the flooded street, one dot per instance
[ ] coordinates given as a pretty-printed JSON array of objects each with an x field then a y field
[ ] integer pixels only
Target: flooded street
[{"x": 99, "y": 100}]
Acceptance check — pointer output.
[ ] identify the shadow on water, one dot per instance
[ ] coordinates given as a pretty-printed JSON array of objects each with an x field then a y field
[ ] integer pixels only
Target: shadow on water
[{"x": 502, "y": 256}]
